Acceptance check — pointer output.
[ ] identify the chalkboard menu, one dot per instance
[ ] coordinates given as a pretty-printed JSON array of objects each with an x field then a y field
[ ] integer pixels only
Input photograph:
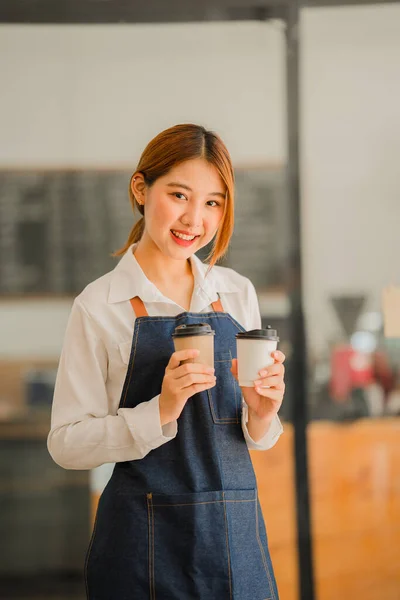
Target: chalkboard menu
[
  {"x": 59, "y": 228},
  {"x": 260, "y": 244}
]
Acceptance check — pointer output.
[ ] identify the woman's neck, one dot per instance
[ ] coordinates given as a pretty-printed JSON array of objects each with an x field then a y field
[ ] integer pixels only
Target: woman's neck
[{"x": 174, "y": 278}]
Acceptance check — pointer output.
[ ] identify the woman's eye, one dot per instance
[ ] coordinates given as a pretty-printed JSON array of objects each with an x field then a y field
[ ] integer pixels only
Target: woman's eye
[
  {"x": 213, "y": 203},
  {"x": 182, "y": 196}
]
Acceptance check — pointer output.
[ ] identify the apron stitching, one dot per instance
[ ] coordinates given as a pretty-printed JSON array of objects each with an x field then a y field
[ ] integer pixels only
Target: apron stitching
[
  {"x": 262, "y": 552},
  {"x": 224, "y": 420},
  {"x": 217, "y": 419},
  {"x": 227, "y": 547},
  {"x": 239, "y": 500},
  {"x": 88, "y": 554},
  {"x": 207, "y": 502},
  {"x": 153, "y": 573},
  {"x": 131, "y": 365},
  {"x": 234, "y": 391},
  {"x": 150, "y": 521},
  {"x": 234, "y": 322},
  {"x": 211, "y": 404}
]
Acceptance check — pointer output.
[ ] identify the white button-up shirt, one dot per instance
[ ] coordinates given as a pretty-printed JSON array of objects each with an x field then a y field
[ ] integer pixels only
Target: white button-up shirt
[{"x": 88, "y": 428}]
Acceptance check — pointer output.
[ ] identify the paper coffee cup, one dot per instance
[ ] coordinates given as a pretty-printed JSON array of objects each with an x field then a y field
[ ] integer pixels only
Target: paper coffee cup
[
  {"x": 197, "y": 336},
  {"x": 254, "y": 350}
]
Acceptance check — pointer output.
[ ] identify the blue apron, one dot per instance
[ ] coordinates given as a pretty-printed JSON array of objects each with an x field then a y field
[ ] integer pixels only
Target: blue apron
[{"x": 184, "y": 522}]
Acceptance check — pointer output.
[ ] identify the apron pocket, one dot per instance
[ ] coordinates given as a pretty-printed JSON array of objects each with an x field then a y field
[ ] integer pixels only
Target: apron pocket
[
  {"x": 225, "y": 396},
  {"x": 188, "y": 546}
]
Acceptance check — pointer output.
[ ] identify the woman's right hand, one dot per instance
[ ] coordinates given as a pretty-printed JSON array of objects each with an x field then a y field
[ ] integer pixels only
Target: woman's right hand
[{"x": 181, "y": 382}]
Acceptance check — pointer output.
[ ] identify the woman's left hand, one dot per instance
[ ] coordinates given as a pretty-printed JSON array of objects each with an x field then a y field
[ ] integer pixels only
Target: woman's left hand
[{"x": 265, "y": 399}]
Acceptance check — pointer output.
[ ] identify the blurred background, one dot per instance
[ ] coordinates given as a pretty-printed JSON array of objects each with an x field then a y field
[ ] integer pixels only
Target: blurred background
[{"x": 307, "y": 99}]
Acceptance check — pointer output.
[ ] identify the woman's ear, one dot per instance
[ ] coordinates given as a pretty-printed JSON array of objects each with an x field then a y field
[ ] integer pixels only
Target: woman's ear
[{"x": 138, "y": 187}]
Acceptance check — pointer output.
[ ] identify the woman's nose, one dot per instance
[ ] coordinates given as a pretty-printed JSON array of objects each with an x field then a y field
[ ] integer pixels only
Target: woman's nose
[{"x": 192, "y": 217}]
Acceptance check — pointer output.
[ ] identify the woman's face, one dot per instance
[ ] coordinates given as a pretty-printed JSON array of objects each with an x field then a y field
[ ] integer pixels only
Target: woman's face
[{"x": 184, "y": 208}]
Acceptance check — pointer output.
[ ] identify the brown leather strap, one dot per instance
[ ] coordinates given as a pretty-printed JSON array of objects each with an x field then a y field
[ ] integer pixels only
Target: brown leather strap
[
  {"x": 138, "y": 307},
  {"x": 140, "y": 310},
  {"x": 217, "y": 306}
]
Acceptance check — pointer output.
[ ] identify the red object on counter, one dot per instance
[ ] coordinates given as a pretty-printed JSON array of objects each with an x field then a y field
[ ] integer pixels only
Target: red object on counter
[{"x": 349, "y": 369}]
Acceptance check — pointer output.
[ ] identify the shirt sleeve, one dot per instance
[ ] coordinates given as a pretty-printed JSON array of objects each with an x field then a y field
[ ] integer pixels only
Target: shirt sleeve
[
  {"x": 270, "y": 438},
  {"x": 84, "y": 434},
  {"x": 272, "y": 435}
]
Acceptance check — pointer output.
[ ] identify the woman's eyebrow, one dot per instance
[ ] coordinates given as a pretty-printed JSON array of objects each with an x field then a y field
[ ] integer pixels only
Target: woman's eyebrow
[{"x": 186, "y": 187}]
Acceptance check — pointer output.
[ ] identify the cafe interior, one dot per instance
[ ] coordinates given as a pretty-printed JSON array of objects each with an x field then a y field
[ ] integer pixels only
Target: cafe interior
[{"x": 306, "y": 96}]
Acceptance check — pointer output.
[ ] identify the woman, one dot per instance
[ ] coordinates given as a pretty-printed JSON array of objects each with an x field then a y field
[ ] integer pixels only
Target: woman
[{"x": 179, "y": 518}]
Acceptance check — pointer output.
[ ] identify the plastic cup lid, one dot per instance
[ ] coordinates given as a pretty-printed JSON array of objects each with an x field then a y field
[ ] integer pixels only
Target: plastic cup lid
[
  {"x": 194, "y": 329},
  {"x": 259, "y": 334}
]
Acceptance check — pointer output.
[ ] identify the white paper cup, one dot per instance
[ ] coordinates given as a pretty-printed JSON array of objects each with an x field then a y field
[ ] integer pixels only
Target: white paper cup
[{"x": 254, "y": 350}]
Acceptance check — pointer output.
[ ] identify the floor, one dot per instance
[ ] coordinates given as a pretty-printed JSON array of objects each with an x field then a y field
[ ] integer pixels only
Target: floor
[{"x": 42, "y": 588}]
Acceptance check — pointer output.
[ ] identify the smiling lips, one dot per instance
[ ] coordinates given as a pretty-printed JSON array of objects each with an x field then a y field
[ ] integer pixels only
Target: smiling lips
[
  {"x": 183, "y": 239},
  {"x": 183, "y": 236}
]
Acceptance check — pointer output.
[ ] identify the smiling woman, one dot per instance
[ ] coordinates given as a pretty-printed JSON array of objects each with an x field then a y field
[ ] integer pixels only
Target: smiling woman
[
  {"x": 180, "y": 516},
  {"x": 170, "y": 168},
  {"x": 178, "y": 223}
]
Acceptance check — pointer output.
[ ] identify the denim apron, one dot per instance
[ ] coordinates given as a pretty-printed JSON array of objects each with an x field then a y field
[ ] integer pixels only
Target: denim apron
[{"x": 184, "y": 522}]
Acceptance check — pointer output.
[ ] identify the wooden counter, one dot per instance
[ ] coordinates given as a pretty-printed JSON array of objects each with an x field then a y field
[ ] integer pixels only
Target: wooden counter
[
  {"x": 35, "y": 427},
  {"x": 355, "y": 493}
]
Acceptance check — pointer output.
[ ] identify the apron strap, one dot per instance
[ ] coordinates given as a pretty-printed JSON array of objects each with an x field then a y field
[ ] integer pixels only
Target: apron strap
[
  {"x": 138, "y": 307},
  {"x": 140, "y": 310},
  {"x": 217, "y": 305}
]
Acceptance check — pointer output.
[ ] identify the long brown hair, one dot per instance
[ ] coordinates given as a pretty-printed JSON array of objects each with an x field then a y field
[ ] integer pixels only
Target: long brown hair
[{"x": 176, "y": 145}]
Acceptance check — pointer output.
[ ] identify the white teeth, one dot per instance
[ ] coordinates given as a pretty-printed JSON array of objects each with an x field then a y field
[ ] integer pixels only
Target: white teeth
[{"x": 182, "y": 236}]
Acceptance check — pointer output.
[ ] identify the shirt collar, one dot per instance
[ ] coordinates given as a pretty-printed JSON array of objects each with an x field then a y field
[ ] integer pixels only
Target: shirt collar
[{"x": 128, "y": 280}]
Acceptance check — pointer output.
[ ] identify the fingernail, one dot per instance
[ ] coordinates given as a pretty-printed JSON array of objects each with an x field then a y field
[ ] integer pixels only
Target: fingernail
[
  {"x": 257, "y": 383},
  {"x": 210, "y": 370},
  {"x": 263, "y": 373}
]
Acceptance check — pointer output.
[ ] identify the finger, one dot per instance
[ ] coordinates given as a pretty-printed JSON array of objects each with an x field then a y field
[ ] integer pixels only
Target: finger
[
  {"x": 272, "y": 382},
  {"x": 278, "y": 356},
  {"x": 179, "y": 356},
  {"x": 275, "y": 369},
  {"x": 271, "y": 394},
  {"x": 188, "y": 368},
  {"x": 195, "y": 378},
  {"x": 196, "y": 388}
]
